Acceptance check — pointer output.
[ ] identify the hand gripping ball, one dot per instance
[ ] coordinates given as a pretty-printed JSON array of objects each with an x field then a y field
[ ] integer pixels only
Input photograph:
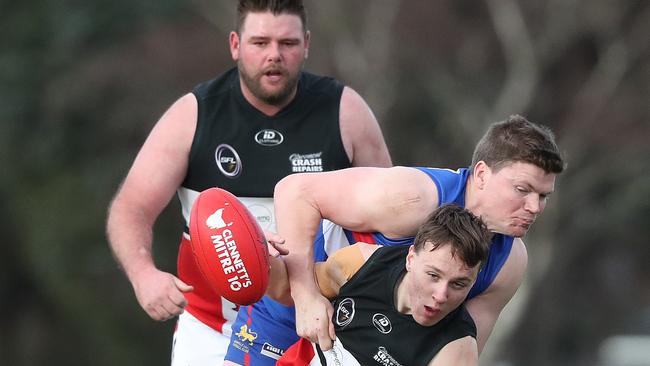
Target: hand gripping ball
[{"x": 229, "y": 247}]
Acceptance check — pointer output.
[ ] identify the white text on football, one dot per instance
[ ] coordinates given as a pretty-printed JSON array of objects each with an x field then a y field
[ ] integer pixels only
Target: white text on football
[{"x": 230, "y": 260}]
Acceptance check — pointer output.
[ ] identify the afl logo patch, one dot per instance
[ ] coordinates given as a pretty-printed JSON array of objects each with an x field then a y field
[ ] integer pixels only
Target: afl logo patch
[
  {"x": 382, "y": 323},
  {"x": 345, "y": 312},
  {"x": 228, "y": 161},
  {"x": 269, "y": 137}
]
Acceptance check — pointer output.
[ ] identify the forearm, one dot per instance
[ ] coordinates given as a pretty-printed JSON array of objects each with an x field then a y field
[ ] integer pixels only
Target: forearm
[
  {"x": 130, "y": 238},
  {"x": 298, "y": 220}
]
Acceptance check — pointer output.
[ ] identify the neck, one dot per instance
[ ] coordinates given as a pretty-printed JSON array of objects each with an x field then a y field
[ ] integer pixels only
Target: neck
[
  {"x": 471, "y": 197},
  {"x": 472, "y": 201},
  {"x": 402, "y": 302}
]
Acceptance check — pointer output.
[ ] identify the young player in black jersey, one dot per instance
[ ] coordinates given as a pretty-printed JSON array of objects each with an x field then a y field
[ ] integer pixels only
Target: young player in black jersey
[{"x": 399, "y": 305}]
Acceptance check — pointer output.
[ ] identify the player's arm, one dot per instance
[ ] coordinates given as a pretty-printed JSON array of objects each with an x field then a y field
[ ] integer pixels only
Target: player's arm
[
  {"x": 157, "y": 171},
  {"x": 461, "y": 352},
  {"x": 390, "y": 200},
  {"x": 486, "y": 307},
  {"x": 360, "y": 132}
]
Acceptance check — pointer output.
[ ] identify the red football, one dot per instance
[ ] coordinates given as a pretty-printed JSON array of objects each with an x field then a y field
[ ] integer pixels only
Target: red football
[{"x": 229, "y": 246}]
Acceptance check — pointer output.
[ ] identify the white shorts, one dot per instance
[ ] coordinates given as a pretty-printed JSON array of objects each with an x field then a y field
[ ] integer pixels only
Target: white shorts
[{"x": 196, "y": 344}]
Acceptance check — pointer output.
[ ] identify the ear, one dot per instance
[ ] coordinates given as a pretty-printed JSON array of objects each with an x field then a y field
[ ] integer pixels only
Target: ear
[
  {"x": 480, "y": 174},
  {"x": 307, "y": 42},
  {"x": 234, "y": 45},
  {"x": 410, "y": 257}
]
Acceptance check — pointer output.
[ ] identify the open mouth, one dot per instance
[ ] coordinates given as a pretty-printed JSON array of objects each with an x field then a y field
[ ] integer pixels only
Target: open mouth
[
  {"x": 274, "y": 74},
  {"x": 430, "y": 311}
]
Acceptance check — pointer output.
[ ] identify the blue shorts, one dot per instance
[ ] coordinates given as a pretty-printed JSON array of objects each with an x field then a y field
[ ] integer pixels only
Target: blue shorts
[{"x": 261, "y": 333}]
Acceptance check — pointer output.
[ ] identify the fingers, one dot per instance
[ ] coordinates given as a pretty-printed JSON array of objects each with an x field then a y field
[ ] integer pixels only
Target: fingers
[
  {"x": 275, "y": 244},
  {"x": 276, "y": 250},
  {"x": 324, "y": 339},
  {"x": 182, "y": 286},
  {"x": 171, "y": 310},
  {"x": 282, "y": 250},
  {"x": 162, "y": 296},
  {"x": 330, "y": 312},
  {"x": 163, "y": 312},
  {"x": 273, "y": 237},
  {"x": 178, "y": 299},
  {"x": 313, "y": 322}
]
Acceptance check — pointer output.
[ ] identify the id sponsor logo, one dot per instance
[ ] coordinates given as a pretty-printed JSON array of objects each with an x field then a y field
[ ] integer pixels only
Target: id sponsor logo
[
  {"x": 269, "y": 137},
  {"x": 382, "y": 323}
]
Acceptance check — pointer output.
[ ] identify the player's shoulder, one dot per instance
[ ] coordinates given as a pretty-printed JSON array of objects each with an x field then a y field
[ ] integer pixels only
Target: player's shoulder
[
  {"x": 314, "y": 83},
  {"x": 216, "y": 86}
]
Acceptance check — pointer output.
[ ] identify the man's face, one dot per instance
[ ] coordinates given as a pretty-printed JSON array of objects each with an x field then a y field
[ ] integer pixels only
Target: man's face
[
  {"x": 270, "y": 52},
  {"x": 512, "y": 198},
  {"x": 436, "y": 283}
]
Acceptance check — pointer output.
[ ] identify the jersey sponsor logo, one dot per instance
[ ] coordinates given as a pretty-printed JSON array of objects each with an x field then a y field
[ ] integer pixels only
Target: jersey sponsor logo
[
  {"x": 271, "y": 351},
  {"x": 382, "y": 323},
  {"x": 228, "y": 161},
  {"x": 269, "y": 137},
  {"x": 244, "y": 339},
  {"x": 246, "y": 335},
  {"x": 301, "y": 163},
  {"x": 345, "y": 312},
  {"x": 384, "y": 358}
]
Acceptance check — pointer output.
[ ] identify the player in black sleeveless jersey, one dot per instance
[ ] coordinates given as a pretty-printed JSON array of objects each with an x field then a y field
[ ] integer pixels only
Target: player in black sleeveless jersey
[
  {"x": 242, "y": 131},
  {"x": 399, "y": 305}
]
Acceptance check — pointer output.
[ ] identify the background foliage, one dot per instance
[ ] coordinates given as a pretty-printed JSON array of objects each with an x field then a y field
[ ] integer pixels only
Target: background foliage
[{"x": 82, "y": 83}]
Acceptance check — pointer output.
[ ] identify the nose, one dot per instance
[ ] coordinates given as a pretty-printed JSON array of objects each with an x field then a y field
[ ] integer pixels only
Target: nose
[
  {"x": 533, "y": 204},
  {"x": 274, "y": 54},
  {"x": 440, "y": 293}
]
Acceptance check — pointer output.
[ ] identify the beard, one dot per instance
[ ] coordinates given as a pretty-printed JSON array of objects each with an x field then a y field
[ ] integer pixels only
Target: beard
[{"x": 273, "y": 97}]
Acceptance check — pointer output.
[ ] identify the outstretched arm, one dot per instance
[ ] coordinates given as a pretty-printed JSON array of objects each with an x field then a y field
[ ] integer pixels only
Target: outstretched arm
[
  {"x": 394, "y": 201},
  {"x": 156, "y": 173}
]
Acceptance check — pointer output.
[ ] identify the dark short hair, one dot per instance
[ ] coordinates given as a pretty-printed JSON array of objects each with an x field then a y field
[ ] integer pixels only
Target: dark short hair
[
  {"x": 455, "y": 226},
  {"x": 277, "y": 7},
  {"x": 518, "y": 140}
]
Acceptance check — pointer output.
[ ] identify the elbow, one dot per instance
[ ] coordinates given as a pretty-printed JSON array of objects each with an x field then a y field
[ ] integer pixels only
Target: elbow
[{"x": 291, "y": 187}]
